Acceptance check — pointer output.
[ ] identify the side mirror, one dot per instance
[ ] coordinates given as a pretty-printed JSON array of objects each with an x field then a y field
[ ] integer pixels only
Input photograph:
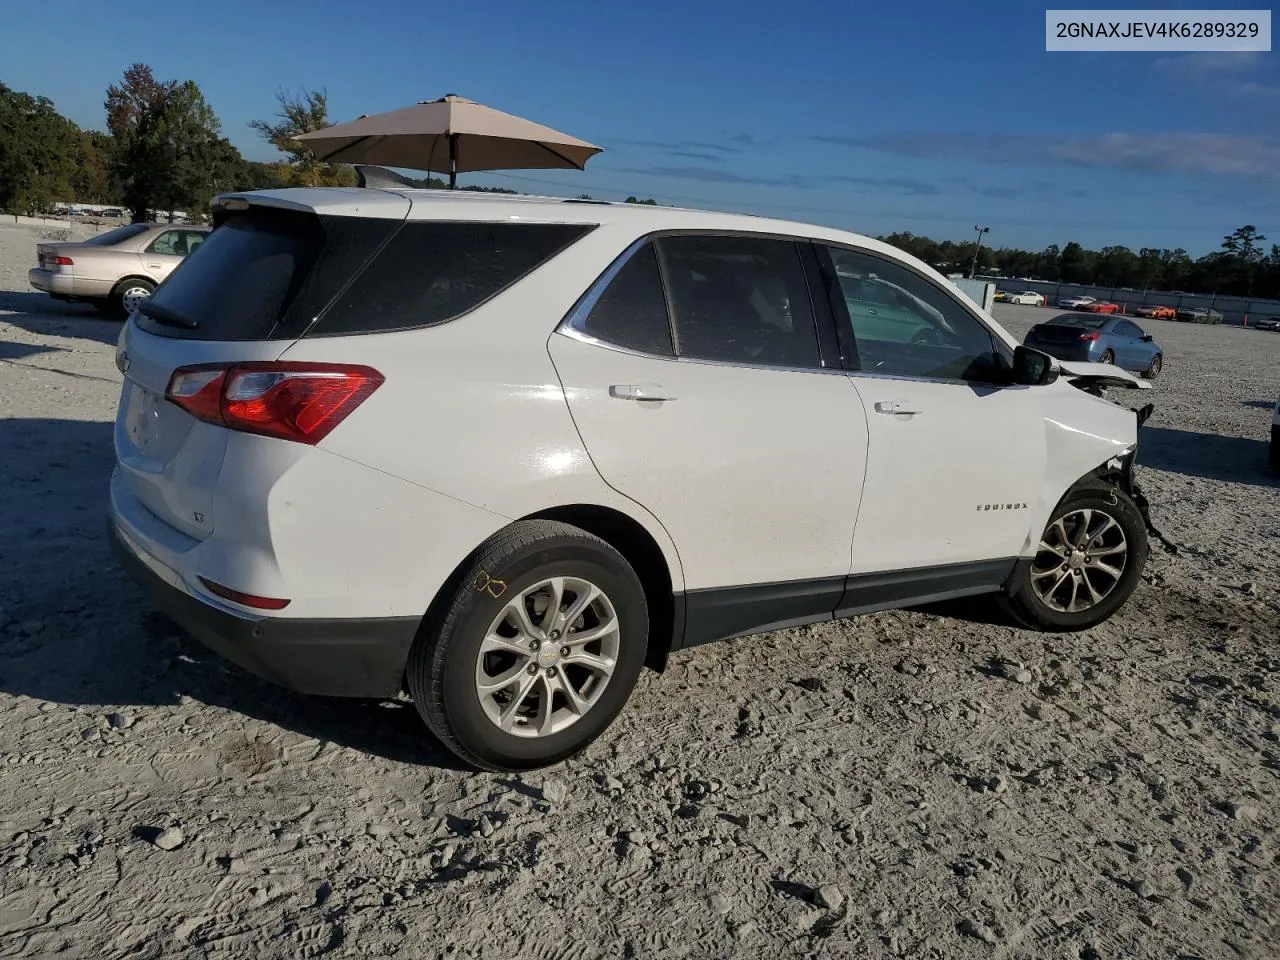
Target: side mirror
[
  {"x": 1032, "y": 368},
  {"x": 1147, "y": 338}
]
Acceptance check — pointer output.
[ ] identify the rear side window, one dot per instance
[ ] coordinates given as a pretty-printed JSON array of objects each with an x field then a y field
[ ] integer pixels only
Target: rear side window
[
  {"x": 740, "y": 300},
  {"x": 262, "y": 274},
  {"x": 434, "y": 271},
  {"x": 632, "y": 311}
]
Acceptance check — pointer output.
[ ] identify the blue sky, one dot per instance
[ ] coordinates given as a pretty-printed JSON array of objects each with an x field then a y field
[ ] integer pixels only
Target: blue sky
[{"x": 924, "y": 116}]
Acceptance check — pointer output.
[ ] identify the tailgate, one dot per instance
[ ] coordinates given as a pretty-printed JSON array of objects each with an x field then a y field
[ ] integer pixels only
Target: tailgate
[
  {"x": 245, "y": 294},
  {"x": 168, "y": 459}
]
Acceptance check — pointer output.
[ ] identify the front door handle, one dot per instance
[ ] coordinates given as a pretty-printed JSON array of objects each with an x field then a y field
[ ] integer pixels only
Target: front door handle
[
  {"x": 641, "y": 392},
  {"x": 896, "y": 408}
]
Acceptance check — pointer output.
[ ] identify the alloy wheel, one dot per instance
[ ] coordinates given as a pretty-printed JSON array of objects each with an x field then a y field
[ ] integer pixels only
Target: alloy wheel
[
  {"x": 547, "y": 657},
  {"x": 1081, "y": 560}
]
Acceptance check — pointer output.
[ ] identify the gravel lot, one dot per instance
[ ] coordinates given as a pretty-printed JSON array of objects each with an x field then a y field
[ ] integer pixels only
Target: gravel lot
[{"x": 878, "y": 787}]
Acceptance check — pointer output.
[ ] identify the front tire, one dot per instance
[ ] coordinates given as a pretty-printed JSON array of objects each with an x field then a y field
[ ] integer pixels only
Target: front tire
[
  {"x": 1091, "y": 556},
  {"x": 536, "y": 651},
  {"x": 1153, "y": 371}
]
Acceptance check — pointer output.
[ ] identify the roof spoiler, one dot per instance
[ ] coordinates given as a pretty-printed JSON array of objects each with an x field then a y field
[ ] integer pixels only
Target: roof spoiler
[{"x": 380, "y": 178}]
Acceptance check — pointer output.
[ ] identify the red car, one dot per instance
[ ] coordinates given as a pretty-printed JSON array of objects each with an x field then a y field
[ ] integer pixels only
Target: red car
[{"x": 1099, "y": 307}]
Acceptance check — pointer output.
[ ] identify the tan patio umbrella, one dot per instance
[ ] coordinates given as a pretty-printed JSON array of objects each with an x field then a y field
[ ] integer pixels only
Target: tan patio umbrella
[{"x": 453, "y": 134}]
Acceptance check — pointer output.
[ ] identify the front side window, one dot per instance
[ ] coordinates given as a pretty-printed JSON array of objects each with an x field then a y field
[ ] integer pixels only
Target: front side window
[
  {"x": 903, "y": 325},
  {"x": 739, "y": 300},
  {"x": 632, "y": 310}
]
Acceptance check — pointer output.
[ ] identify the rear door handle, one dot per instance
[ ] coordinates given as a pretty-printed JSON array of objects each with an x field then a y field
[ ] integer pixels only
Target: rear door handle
[
  {"x": 896, "y": 408},
  {"x": 641, "y": 392}
]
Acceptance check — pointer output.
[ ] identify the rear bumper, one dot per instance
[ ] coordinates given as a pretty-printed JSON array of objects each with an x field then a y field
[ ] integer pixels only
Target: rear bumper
[
  {"x": 47, "y": 281},
  {"x": 1065, "y": 351},
  {"x": 68, "y": 285},
  {"x": 339, "y": 658}
]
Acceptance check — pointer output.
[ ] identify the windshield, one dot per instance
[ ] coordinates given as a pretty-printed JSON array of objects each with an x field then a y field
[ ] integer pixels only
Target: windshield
[{"x": 112, "y": 237}]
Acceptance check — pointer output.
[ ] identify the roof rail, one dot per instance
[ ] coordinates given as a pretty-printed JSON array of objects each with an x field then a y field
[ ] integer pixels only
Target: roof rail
[{"x": 379, "y": 178}]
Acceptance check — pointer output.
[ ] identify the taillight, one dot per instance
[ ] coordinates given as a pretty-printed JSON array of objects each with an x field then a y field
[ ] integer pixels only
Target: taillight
[
  {"x": 296, "y": 401},
  {"x": 1092, "y": 335},
  {"x": 198, "y": 390},
  {"x": 61, "y": 261}
]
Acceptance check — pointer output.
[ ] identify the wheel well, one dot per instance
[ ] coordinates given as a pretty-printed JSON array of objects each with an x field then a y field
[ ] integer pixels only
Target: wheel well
[
  {"x": 123, "y": 280},
  {"x": 639, "y": 548}
]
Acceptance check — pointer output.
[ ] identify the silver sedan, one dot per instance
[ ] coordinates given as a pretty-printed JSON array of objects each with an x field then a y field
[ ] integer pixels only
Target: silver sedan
[{"x": 116, "y": 270}]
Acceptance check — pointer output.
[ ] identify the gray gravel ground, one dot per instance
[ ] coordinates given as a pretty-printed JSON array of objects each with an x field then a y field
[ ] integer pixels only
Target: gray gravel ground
[{"x": 879, "y": 787}]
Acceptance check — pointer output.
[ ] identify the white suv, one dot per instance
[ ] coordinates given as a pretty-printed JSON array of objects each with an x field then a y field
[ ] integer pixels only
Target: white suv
[{"x": 505, "y": 452}]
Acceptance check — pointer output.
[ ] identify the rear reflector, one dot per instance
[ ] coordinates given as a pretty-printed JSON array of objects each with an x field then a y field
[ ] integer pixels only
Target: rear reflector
[
  {"x": 244, "y": 599},
  {"x": 296, "y": 401}
]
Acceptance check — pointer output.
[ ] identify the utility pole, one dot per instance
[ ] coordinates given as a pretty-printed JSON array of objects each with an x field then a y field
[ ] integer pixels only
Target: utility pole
[{"x": 974, "y": 268}]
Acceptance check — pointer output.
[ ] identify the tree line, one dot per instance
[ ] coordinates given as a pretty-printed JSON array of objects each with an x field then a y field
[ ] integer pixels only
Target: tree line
[
  {"x": 1242, "y": 266},
  {"x": 164, "y": 150}
]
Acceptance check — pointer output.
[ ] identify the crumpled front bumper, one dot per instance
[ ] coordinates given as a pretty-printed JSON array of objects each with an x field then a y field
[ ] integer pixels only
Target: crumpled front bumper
[{"x": 1129, "y": 483}]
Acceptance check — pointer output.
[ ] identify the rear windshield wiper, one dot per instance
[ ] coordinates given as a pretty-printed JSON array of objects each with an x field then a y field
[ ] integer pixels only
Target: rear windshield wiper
[{"x": 165, "y": 316}]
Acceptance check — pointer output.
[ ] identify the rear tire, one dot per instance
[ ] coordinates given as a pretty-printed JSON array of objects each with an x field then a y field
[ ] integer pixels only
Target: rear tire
[
  {"x": 1153, "y": 371},
  {"x": 128, "y": 294},
  {"x": 1107, "y": 357},
  {"x": 1091, "y": 556},
  {"x": 560, "y": 692}
]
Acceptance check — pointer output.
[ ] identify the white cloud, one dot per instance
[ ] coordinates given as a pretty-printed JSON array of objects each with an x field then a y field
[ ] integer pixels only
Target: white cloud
[
  {"x": 1212, "y": 154},
  {"x": 1212, "y": 64}
]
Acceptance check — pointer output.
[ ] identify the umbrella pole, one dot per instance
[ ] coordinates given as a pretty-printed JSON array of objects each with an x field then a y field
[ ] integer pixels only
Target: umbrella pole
[{"x": 453, "y": 161}]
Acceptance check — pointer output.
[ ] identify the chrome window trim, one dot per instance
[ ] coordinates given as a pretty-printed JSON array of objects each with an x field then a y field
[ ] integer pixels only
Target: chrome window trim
[
  {"x": 945, "y": 381},
  {"x": 575, "y": 334}
]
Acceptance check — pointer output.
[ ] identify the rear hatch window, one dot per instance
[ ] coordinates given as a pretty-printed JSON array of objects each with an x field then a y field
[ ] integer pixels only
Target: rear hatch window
[
  {"x": 263, "y": 274},
  {"x": 267, "y": 274}
]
